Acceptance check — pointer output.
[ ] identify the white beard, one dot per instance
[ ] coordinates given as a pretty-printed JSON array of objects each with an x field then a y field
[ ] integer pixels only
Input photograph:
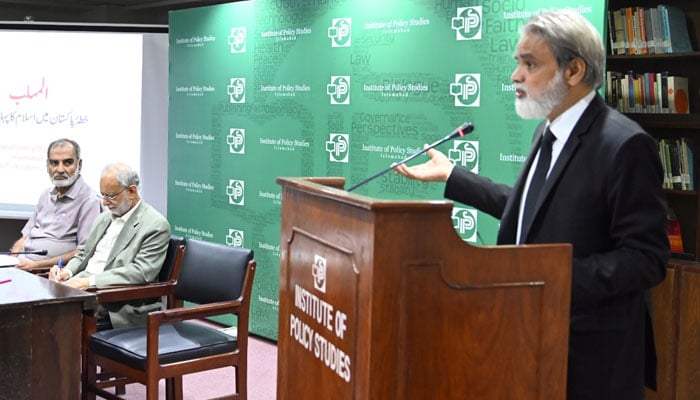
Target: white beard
[
  {"x": 65, "y": 182},
  {"x": 537, "y": 108},
  {"x": 121, "y": 208}
]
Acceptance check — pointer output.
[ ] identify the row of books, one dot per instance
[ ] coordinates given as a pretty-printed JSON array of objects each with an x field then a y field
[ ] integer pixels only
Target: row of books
[
  {"x": 655, "y": 30},
  {"x": 648, "y": 92},
  {"x": 677, "y": 161}
]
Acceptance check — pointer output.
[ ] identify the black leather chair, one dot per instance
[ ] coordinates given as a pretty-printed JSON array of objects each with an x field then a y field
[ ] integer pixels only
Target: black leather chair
[
  {"x": 219, "y": 280},
  {"x": 167, "y": 276}
]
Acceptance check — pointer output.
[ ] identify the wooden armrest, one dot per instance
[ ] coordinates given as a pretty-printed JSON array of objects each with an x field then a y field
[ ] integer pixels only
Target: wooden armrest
[
  {"x": 196, "y": 312},
  {"x": 112, "y": 294}
]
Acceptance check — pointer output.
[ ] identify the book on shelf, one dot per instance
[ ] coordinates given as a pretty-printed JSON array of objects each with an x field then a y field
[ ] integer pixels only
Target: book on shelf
[
  {"x": 687, "y": 167},
  {"x": 673, "y": 230},
  {"x": 678, "y": 95},
  {"x": 676, "y": 177},
  {"x": 664, "y": 91},
  {"x": 632, "y": 42},
  {"x": 648, "y": 30},
  {"x": 657, "y": 42},
  {"x": 665, "y": 163},
  {"x": 641, "y": 31},
  {"x": 676, "y": 38}
]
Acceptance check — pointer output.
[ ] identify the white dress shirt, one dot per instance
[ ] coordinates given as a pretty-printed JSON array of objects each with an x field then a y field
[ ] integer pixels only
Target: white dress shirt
[
  {"x": 98, "y": 261},
  {"x": 561, "y": 128}
]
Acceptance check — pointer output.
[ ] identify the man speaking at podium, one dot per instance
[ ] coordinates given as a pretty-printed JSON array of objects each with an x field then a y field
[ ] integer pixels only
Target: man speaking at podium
[{"x": 593, "y": 179}]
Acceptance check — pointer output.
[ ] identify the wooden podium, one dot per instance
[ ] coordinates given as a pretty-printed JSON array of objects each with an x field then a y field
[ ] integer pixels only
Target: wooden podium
[{"x": 383, "y": 300}]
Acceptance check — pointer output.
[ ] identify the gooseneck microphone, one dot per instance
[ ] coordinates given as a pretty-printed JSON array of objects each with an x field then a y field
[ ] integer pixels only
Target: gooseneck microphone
[
  {"x": 42, "y": 252},
  {"x": 461, "y": 130}
]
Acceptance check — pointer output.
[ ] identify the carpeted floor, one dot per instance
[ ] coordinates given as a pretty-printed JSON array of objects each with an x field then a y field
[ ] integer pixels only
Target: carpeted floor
[{"x": 262, "y": 377}]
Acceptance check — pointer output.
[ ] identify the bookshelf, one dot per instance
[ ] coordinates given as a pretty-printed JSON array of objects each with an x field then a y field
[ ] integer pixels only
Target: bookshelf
[
  {"x": 676, "y": 301},
  {"x": 685, "y": 203}
]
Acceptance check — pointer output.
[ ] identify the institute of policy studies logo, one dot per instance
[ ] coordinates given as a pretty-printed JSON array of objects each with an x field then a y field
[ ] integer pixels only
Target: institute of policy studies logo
[
  {"x": 235, "y": 238},
  {"x": 236, "y": 90},
  {"x": 465, "y": 153},
  {"x": 237, "y": 39},
  {"x": 339, "y": 89},
  {"x": 236, "y": 192},
  {"x": 236, "y": 141},
  {"x": 466, "y": 90},
  {"x": 318, "y": 271},
  {"x": 468, "y": 23},
  {"x": 464, "y": 221},
  {"x": 339, "y": 32},
  {"x": 338, "y": 147}
]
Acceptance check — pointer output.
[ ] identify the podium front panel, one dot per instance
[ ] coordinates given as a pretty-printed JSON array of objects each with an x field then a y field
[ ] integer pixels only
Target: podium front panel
[
  {"x": 483, "y": 351},
  {"x": 383, "y": 300},
  {"x": 322, "y": 321}
]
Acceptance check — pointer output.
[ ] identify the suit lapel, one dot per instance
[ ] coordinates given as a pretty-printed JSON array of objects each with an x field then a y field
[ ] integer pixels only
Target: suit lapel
[
  {"x": 125, "y": 236},
  {"x": 581, "y": 128},
  {"x": 99, "y": 232}
]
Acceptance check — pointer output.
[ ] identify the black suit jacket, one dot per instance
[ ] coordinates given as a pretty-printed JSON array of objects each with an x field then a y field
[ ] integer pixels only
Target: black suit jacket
[{"x": 604, "y": 196}]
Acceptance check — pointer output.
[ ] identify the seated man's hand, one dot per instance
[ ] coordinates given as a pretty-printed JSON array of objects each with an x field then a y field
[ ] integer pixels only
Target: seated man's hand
[
  {"x": 26, "y": 264},
  {"x": 78, "y": 283},
  {"x": 58, "y": 275}
]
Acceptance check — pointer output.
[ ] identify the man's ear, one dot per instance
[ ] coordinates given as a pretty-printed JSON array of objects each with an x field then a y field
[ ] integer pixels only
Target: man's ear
[{"x": 575, "y": 71}]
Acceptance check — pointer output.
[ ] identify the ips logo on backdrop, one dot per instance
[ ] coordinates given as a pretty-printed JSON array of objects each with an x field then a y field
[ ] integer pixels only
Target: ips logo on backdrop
[
  {"x": 236, "y": 192},
  {"x": 338, "y": 147},
  {"x": 465, "y": 223},
  {"x": 339, "y": 90},
  {"x": 236, "y": 90},
  {"x": 318, "y": 271},
  {"x": 466, "y": 90},
  {"x": 235, "y": 238},
  {"x": 237, "y": 39},
  {"x": 468, "y": 23},
  {"x": 236, "y": 141},
  {"x": 339, "y": 32},
  {"x": 465, "y": 153}
]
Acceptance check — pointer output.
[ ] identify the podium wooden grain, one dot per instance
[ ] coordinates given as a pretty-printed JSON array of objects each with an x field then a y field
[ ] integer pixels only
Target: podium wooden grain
[{"x": 382, "y": 299}]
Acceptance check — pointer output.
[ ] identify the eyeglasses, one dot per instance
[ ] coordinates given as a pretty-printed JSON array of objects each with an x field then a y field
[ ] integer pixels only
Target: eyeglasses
[{"x": 112, "y": 197}]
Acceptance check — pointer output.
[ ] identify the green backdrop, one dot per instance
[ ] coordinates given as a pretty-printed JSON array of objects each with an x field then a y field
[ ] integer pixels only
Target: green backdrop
[{"x": 261, "y": 89}]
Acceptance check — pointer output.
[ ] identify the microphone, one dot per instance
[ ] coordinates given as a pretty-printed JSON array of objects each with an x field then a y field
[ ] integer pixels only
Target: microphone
[
  {"x": 42, "y": 252},
  {"x": 460, "y": 131}
]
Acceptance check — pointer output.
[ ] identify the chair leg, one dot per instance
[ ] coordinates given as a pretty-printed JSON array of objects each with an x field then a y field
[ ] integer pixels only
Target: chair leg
[
  {"x": 120, "y": 390},
  {"x": 89, "y": 378},
  {"x": 241, "y": 382},
  {"x": 173, "y": 388},
  {"x": 152, "y": 390},
  {"x": 169, "y": 388}
]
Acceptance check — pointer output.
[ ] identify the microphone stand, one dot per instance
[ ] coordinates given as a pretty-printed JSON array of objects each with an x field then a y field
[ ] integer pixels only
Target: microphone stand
[
  {"x": 465, "y": 128},
  {"x": 42, "y": 252}
]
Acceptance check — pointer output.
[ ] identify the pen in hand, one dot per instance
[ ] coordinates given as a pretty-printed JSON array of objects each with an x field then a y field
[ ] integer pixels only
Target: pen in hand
[{"x": 58, "y": 270}]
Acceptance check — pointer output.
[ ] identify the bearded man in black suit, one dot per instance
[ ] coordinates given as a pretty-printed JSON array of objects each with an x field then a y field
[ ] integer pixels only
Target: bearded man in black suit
[{"x": 602, "y": 193}]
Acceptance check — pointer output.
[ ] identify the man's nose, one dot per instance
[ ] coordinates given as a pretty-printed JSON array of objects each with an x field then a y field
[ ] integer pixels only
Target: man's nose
[{"x": 516, "y": 76}]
